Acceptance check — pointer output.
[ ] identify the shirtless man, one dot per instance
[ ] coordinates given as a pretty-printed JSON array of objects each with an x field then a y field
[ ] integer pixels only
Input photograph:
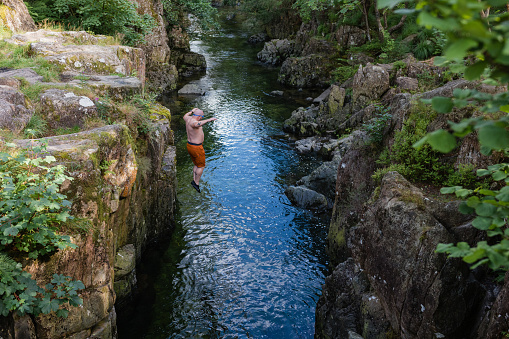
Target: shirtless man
[{"x": 195, "y": 138}]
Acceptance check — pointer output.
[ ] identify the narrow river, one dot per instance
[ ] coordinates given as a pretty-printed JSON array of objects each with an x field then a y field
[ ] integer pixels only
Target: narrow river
[{"x": 243, "y": 262}]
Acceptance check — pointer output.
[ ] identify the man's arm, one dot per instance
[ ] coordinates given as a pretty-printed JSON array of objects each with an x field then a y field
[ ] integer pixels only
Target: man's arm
[
  {"x": 188, "y": 114},
  {"x": 200, "y": 123}
]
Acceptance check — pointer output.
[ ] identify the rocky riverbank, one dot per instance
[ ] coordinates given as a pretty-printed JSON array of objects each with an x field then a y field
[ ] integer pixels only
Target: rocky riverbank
[{"x": 387, "y": 282}]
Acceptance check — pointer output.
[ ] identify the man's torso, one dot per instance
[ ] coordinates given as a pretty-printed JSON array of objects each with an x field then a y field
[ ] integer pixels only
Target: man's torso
[{"x": 194, "y": 135}]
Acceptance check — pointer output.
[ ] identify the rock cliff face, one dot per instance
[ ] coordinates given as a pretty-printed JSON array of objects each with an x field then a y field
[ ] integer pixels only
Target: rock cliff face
[
  {"x": 14, "y": 15},
  {"x": 388, "y": 281},
  {"x": 123, "y": 170}
]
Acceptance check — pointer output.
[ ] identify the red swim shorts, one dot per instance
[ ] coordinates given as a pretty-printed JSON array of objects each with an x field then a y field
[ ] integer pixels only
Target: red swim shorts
[{"x": 197, "y": 154}]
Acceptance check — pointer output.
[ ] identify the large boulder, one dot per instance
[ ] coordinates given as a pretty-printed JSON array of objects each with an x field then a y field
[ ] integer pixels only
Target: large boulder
[
  {"x": 308, "y": 71},
  {"x": 64, "y": 109},
  {"x": 323, "y": 179},
  {"x": 125, "y": 188},
  {"x": 369, "y": 83},
  {"x": 306, "y": 198},
  {"x": 395, "y": 244},
  {"x": 14, "y": 15},
  {"x": 160, "y": 73},
  {"x": 276, "y": 51},
  {"x": 14, "y": 113}
]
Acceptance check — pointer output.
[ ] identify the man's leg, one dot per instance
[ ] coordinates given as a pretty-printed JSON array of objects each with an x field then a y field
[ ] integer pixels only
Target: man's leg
[{"x": 198, "y": 171}]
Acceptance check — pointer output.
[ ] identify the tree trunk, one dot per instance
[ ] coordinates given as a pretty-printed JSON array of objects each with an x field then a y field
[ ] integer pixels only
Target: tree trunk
[
  {"x": 365, "y": 7},
  {"x": 380, "y": 27}
]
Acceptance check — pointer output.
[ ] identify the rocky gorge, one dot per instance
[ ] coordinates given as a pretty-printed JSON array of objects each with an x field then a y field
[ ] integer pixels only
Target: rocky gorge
[{"x": 387, "y": 280}]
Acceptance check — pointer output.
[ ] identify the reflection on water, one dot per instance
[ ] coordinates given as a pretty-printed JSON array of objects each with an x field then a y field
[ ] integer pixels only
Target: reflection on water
[{"x": 243, "y": 262}]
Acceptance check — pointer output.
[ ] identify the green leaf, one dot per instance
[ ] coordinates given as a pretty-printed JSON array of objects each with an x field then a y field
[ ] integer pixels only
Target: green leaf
[
  {"x": 482, "y": 223},
  {"x": 485, "y": 209},
  {"x": 449, "y": 190},
  {"x": 388, "y": 3},
  {"x": 477, "y": 254},
  {"x": 442, "y": 141},
  {"x": 463, "y": 193},
  {"x": 465, "y": 209},
  {"x": 420, "y": 143},
  {"x": 458, "y": 49},
  {"x": 499, "y": 175},
  {"x": 494, "y": 137},
  {"x": 442, "y": 104},
  {"x": 482, "y": 172},
  {"x": 474, "y": 71},
  {"x": 428, "y": 20},
  {"x": 443, "y": 248}
]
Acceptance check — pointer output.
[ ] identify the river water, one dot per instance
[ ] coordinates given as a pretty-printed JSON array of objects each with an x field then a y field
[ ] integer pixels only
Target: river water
[{"x": 243, "y": 262}]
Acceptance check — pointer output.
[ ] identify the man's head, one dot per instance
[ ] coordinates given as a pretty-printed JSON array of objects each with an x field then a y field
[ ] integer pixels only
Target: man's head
[{"x": 198, "y": 113}]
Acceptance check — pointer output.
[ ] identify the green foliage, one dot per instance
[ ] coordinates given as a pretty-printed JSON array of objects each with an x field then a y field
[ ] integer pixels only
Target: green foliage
[
  {"x": 21, "y": 294},
  {"x": 266, "y": 11},
  {"x": 107, "y": 17},
  {"x": 429, "y": 42},
  {"x": 423, "y": 165},
  {"x": 175, "y": 12},
  {"x": 31, "y": 207},
  {"x": 476, "y": 44},
  {"x": 31, "y": 210},
  {"x": 36, "y": 127},
  {"x": 376, "y": 126},
  {"x": 343, "y": 73}
]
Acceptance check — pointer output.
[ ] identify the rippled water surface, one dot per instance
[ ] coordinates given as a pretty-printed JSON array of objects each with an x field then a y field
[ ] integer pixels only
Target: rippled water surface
[{"x": 243, "y": 262}]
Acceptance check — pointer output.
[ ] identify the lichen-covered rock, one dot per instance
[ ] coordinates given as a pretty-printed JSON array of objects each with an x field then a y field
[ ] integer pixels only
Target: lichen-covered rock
[
  {"x": 258, "y": 38},
  {"x": 276, "y": 51},
  {"x": 14, "y": 114},
  {"x": 369, "y": 83},
  {"x": 61, "y": 48},
  {"x": 192, "y": 89},
  {"x": 308, "y": 71},
  {"x": 302, "y": 122},
  {"x": 407, "y": 84},
  {"x": 323, "y": 178},
  {"x": 306, "y": 198},
  {"x": 64, "y": 109},
  {"x": 26, "y": 73},
  {"x": 14, "y": 15},
  {"x": 347, "y": 306},
  {"x": 194, "y": 62}
]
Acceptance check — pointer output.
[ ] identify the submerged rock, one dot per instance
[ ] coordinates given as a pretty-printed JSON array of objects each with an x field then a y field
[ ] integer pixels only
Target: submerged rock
[
  {"x": 306, "y": 198},
  {"x": 192, "y": 89}
]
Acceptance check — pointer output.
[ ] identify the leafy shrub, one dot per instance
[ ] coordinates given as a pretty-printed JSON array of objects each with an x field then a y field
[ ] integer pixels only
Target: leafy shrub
[
  {"x": 343, "y": 73},
  {"x": 423, "y": 165},
  {"x": 376, "y": 126},
  {"x": 101, "y": 17},
  {"x": 21, "y": 294},
  {"x": 31, "y": 212}
]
